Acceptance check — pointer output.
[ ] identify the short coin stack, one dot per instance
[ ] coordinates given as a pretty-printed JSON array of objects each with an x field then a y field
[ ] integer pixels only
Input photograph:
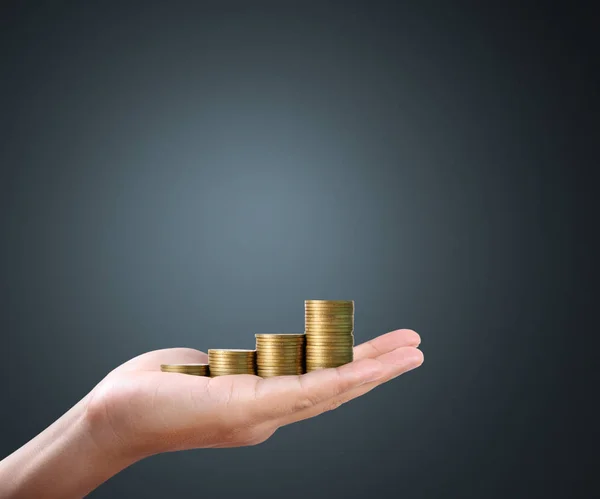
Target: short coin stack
[
  {"x": 329, "y": 327},
  {"x": 194, "y": 369},
  {"x": 280, "y": 354},
  {"x": 224, "y": 362}
]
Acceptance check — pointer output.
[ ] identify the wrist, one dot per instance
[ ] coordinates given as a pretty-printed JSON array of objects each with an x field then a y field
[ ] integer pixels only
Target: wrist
[
  {"x": 111, "y": 448},
  {"x": 68, "y": 459}
]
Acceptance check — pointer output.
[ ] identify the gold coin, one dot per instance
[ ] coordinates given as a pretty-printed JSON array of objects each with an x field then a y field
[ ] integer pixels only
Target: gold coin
[
  {"x": 183, "y": 369},
  {"x": 232, "y": 368},
  {"x": 329, "y": 312},
  {"x": 231, "y": 353},
  {"x": 230, "y": 373},
  {"x": 218, "y": 358},
  {"x": 333, "y": 335},
  {"x": 184, "y": 366},
  {"x": 176, "y": 368},
  {"x": 325, "y": 342},
  {"x": 280, "y": 372},
  {"x": 328, "y": 360},
  {"x": 280, "y": 358},
  {"x": 295, "y": 341},
  {"x": 326, "y": 320},
  {"x": 283, "y": 349},
  {"x": 325, "y": 356},
  {"x": 217, "y": 367},
  {"x": 339, "y": 339},
  {"x": 328, "y": 303},
  {"x": 327, "y": 326},
  {"x": 234, "y": 359},
  {"x": 280, "y": 346},
  {"x": 279, "y": 351},
  {"x": 280, "y": 364},
  {"x": 286, "y": 336},
  {"x": 276, "y": 350},
  {"x": 230, "y": 359},
  {"x": 321, "y": 354}
]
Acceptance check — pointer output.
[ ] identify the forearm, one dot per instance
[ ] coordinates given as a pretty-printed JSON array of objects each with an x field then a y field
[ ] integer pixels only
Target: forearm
[{"x": 64, "y": 461}]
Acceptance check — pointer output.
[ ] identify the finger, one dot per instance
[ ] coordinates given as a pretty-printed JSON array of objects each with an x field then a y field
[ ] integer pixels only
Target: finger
[
  {"x": 151, "y": 361},
  {"x": 281, "y": 396},
  {"x": 394, "y": 363},
  {"x": 386, "y": 343}
]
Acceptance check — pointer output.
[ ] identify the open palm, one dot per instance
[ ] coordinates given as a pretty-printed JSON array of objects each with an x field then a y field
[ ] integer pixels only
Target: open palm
[{"x": 150, "y": 411}]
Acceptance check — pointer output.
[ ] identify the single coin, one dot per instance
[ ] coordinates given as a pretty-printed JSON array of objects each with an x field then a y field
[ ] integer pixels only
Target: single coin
[
  {"x": 228, "y": 373},
  {"x": 322, "y": 354},
  {"x": 327, "y": 320},
  {"x": 183, "y": 369},
  {"x": 276, "y": 352},
  {"x": 283, "y": 372},
  {"x": 328, "y": 361},
  {"x": 279, "y": 364},
  {"x": 228, "y": 350},
  {"x": 185, "y": 366},
  {"x": 329, "y": 303},
  {"x": 284, "y": 350},
  {"x": 278, "y": 336},
  {"x": 327, "y": 326},
  {"x": 329, "y": 341},
  {"x": 280, "y": 348},
  {"x": 283, "y": 360},
  {"x": 333, "y": 335},
  {"x": 218, "y": 365},
  {"x": 328, "y": 317},
  {"x": 231, "y": 359},
  {"x": 327, "y": 358},
  {"x": 280, "y": 351},
  {"x": 282, "y": 341}
]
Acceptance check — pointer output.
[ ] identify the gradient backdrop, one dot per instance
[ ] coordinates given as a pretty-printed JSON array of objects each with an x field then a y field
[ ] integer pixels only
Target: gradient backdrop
[{"x": 187, "y": 176}]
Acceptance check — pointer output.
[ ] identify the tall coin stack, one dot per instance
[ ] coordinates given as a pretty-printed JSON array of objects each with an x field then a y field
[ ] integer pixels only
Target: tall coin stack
[
  {"x": 194, "y": 369},
  {"x": 223, "y": 362},
  {"x": 329, "y": 327},
  {"x": 279, "y": 354}
]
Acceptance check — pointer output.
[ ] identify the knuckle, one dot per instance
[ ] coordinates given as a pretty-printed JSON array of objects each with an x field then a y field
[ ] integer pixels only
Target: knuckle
[
  {"x": 332, "y": 405},
  {"x": 304, "y": 402}
]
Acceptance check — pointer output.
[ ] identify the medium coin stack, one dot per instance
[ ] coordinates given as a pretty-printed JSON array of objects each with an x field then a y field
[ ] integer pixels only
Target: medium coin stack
[
  {"x": 329, "y": 327},
  {"x": 279, "y": 354},
  {"x": 223, "y": 362},
  {"x": 194, "y": 369}
]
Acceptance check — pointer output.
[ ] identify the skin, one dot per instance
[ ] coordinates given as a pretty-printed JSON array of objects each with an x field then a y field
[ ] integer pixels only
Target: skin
[{"x": 137, "y": 411}]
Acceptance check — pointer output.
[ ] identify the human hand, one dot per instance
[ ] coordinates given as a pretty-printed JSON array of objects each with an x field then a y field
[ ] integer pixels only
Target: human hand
[{"x": 142, "y": 411}]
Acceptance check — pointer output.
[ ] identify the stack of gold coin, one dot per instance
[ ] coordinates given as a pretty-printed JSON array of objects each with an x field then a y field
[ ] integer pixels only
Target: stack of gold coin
[
  {"x": 223, "y": 362},
  {"x": 195, "y": 369},
  {"x": 329, "y": 327},
  {"x": 279, "y": 354}
]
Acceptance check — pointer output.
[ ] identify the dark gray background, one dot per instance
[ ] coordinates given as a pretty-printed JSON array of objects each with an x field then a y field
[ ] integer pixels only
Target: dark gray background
[{"x": 175, "y": 176}]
